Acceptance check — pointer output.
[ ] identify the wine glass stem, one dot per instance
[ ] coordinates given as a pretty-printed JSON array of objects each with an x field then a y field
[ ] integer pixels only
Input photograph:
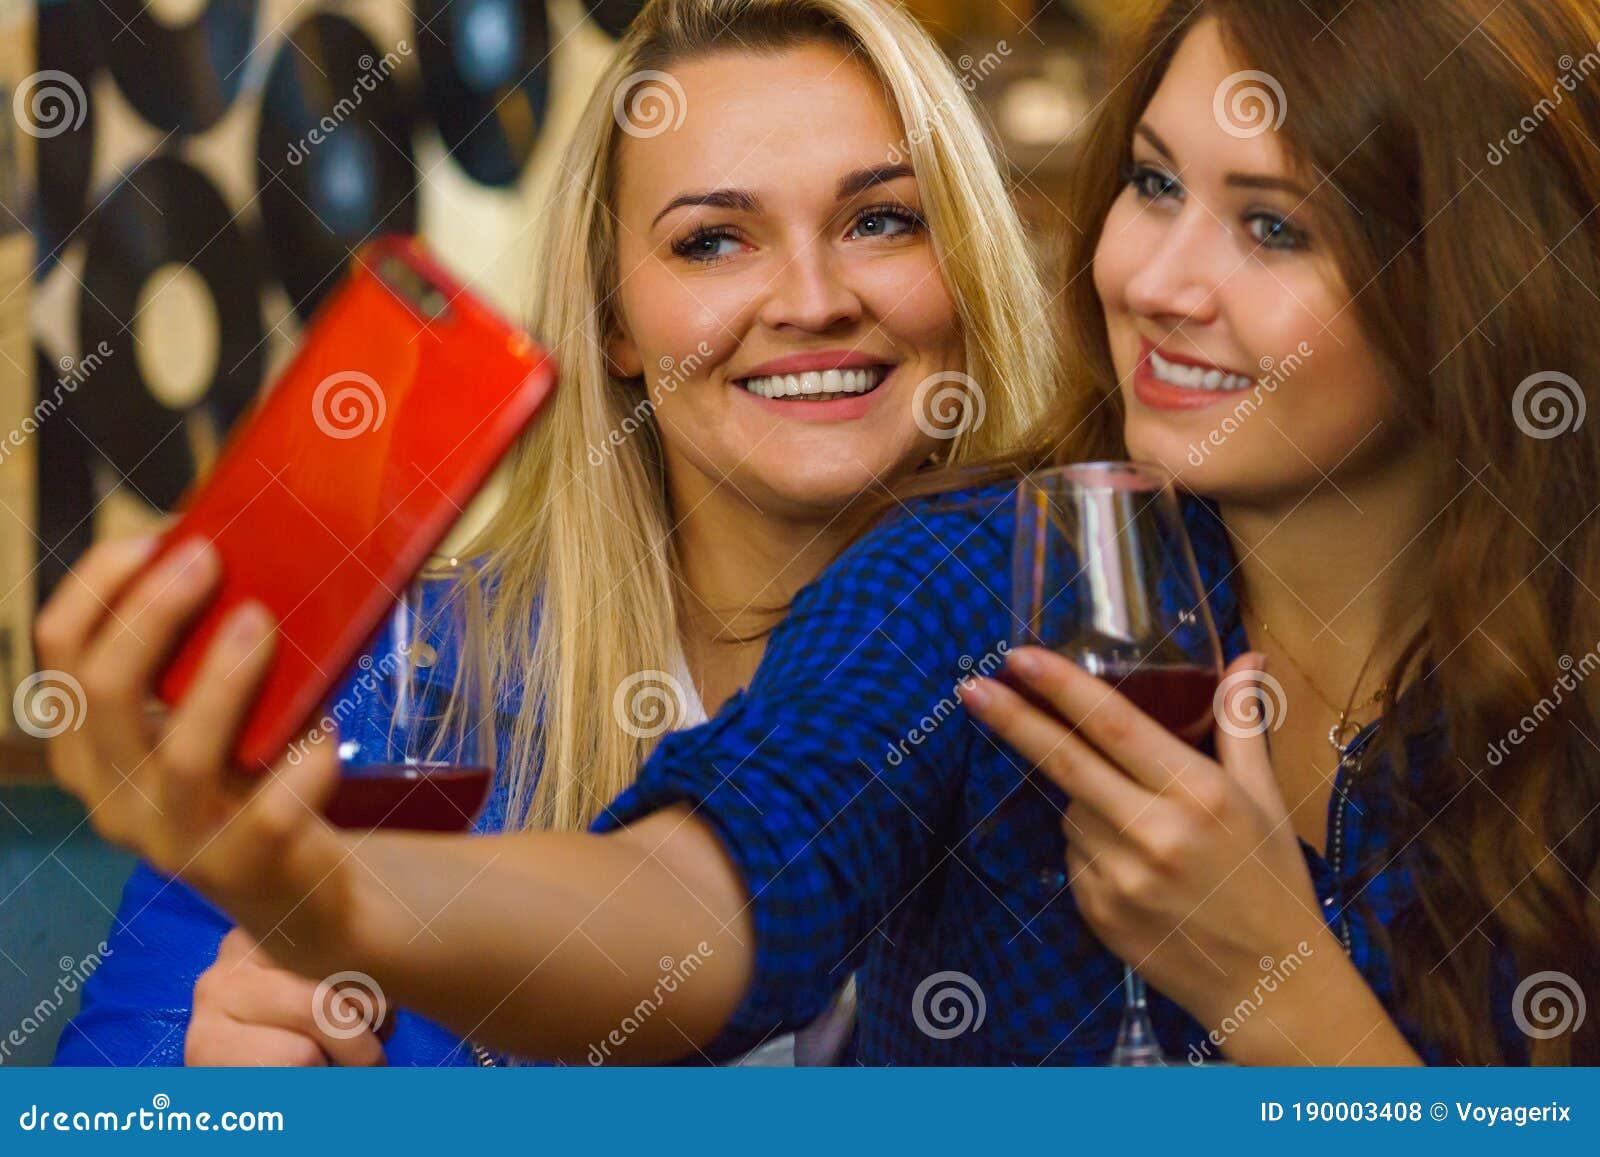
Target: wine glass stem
[
  {"x": 1136, "y": 1040},
  {"x": 1133, "y": 989}
]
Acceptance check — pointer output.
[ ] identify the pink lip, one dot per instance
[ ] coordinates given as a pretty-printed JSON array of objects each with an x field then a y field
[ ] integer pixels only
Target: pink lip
[
  {"x": 820, "y": 362},
  {"x": 1159, "y": 395}
]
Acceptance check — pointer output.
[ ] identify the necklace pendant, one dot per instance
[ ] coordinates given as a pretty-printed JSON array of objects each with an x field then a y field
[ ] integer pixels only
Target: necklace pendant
[{"x": 1340, "y": 735}]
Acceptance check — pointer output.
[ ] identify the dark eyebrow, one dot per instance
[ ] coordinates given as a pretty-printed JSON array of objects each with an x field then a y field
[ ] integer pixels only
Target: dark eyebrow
[
  {"x": 863, "y": 179},
  {"x": 742, "y": 201},
  {"x": 1234, "y": 180},
  {"x": 738, "y": 200}
]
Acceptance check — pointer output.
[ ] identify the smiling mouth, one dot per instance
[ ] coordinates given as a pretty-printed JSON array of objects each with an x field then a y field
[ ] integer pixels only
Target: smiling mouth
[
  {"x": 817, "y": 385},
  {"x": 1196, "y": 377}
]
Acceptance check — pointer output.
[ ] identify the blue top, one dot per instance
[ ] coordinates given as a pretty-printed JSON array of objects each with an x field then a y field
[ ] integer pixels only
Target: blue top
[{"x": 881, "y": 830}]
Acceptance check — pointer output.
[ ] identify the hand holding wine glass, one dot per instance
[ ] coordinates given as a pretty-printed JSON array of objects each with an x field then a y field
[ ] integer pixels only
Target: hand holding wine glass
[{"x": 1185, "y": 866}]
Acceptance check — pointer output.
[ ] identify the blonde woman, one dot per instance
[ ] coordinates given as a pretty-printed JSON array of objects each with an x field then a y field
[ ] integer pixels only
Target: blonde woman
[{"x": 780, "y": 272}]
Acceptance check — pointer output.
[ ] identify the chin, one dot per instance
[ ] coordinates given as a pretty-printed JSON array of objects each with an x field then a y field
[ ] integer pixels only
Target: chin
[{"x": 820, "y": 491}]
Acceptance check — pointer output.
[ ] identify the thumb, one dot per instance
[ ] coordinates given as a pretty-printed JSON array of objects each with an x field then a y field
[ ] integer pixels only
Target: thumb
[{"x": 1249, "y": 703}]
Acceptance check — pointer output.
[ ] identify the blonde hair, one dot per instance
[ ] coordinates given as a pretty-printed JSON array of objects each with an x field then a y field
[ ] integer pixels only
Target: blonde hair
[{"x": 579, "y": 555}]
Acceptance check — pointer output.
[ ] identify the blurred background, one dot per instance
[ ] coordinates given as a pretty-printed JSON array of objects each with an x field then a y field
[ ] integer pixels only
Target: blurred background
[{"x": 166, "y": 227}]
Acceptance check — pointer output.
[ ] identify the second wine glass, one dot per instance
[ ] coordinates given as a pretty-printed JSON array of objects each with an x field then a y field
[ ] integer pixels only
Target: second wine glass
[{"x": 1104, "y": 574}]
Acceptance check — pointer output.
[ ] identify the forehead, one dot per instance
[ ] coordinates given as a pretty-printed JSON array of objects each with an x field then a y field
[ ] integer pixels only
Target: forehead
[
  {"x": 1218, "y": 114},
  {"x": 786, "y": 122}
]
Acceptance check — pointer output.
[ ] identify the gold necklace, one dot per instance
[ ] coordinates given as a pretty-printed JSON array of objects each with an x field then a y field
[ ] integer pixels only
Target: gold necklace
[{"x": 1346, "y": 729}]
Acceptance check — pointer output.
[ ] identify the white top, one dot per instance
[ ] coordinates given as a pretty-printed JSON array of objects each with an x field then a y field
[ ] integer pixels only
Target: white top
[{"x": 821, "y": 1041}]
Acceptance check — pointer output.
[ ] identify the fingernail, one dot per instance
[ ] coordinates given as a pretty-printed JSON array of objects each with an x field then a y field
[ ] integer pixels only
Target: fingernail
[
  {"x": 183, "y": 567},
  {"x": 976, "y": 692},
  {"x": 1023, "y": 662},
  {"x": 144, "y": 546},
  {"x": 248, "y": 623}
]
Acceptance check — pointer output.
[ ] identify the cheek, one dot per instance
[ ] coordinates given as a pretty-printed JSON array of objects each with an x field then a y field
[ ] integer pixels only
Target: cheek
[{"x": 910, "y": 299}]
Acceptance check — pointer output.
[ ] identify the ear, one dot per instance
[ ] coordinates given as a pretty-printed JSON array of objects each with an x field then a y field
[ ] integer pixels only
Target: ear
[{"x": 623, "y": 355}]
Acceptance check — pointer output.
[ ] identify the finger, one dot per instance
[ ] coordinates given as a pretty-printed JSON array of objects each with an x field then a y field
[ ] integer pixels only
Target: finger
[
  {"x": 83, "y": 598},
  {"x": 1247, "y": 708},
  {"x": 1090, "y": 831},
  {"x": 223, "y": 1041},
  {"x": 122, "y": 661},
  {"x": 239, "y": 947},
  {"x": 158, "y": 603},
  {"x": 1146, "y": 750},
  {"x": 1069, "y": 762},
  {"x": 287, "y": 1000},
  {"x": 302, "y": 781},
  {"x": 199, "y": 738}
]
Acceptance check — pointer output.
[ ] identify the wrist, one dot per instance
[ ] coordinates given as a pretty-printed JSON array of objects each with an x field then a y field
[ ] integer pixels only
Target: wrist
[
  {"x": 305, "y": 914},
  {"x": 1309, "y": 1006}
]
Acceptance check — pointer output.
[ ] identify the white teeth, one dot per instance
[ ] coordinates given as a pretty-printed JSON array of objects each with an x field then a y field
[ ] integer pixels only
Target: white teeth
[
  {"x": 817, "y": 383},
  {"x": 1195, "y": 378}
]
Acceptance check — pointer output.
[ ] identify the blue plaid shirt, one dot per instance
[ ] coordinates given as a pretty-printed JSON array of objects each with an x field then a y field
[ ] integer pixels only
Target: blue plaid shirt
[{"x": 879, "y": 829}]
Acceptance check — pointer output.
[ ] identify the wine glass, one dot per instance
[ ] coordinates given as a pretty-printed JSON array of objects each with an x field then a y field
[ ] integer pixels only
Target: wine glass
[
  {"x": 1103, "y": 573},
  {"x": 413, "y": 715}
]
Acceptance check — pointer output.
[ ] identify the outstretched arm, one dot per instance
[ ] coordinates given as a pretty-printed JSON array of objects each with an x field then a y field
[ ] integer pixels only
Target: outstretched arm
[{"x": 493, "y": 936}]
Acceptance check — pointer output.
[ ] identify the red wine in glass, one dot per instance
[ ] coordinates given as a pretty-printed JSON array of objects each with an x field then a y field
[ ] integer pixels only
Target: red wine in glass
[
  {"x": 417, "y": 747},
  {"x": 441, "y": 798},
  {"x": 1176, "y": 695}
]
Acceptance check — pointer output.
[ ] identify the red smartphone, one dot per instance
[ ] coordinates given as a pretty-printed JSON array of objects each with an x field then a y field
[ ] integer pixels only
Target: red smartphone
[{"x": 330, "y": 494}]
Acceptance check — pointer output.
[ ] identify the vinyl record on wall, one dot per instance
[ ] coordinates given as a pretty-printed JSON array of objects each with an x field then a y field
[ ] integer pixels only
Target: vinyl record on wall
[
  {"x": 164, "y": 224},
  {"x": 179, "y": 76},
  {"x": 485, "y": 73},
  {"x": 65, "y": 157},
  {"x": 334, "y": 157},
  {"x": 65, "y": 491},
  {"x": 613, "y": 16}
]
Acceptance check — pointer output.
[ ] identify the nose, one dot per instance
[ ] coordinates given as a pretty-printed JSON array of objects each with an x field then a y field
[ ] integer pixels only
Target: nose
[
  {"x": 810, "y": 293},
  {"x": 1180, "y": 279}
]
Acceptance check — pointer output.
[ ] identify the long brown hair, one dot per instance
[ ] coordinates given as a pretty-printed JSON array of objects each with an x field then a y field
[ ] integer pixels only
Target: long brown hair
[{"x": 1475, "y": 259}]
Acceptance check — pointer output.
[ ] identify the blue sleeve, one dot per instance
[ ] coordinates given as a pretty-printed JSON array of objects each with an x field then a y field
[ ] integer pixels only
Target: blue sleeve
[
  {"x": 135, "y": 1008},
  {"x": 834, "y": 781}
]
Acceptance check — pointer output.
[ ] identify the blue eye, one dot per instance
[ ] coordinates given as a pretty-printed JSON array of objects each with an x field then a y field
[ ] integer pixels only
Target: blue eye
[
  {"x": 1275, "y": 232},
  {"x": 887, "y": 221},
  {"x": 1150, "y": 184},
  {"x": 705, "y": 245}
]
